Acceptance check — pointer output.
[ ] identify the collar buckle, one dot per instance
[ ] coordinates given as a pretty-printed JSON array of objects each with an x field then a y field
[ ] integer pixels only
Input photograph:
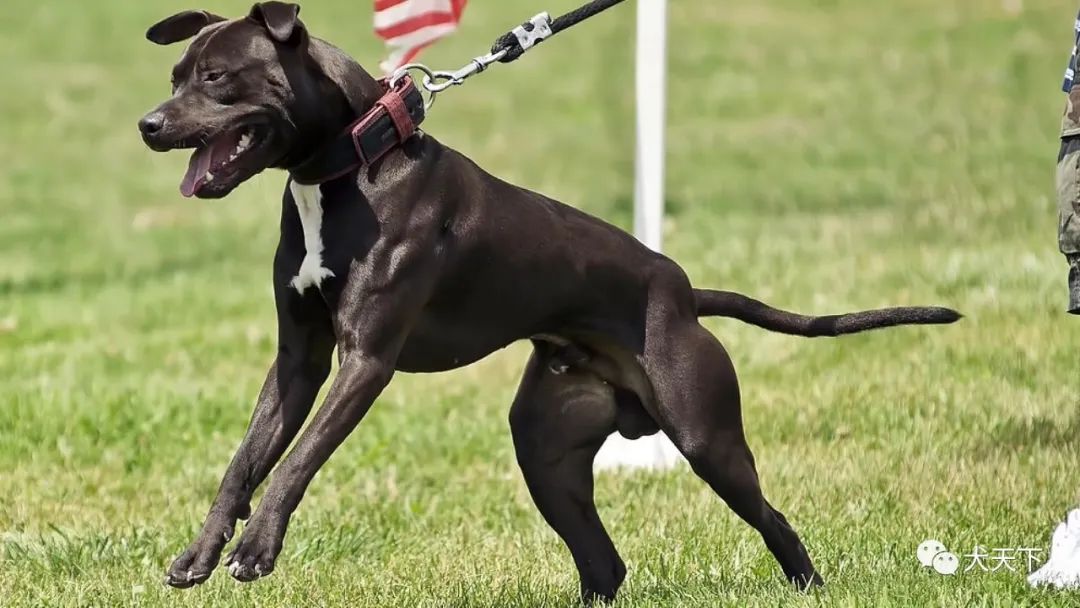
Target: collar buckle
[{"x": 371, "y": 139}]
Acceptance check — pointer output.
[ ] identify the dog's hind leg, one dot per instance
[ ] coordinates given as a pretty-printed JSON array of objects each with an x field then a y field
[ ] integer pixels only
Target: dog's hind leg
[
  {"x": 697, "y": 405},
  {"x": 559, "y": 420}
]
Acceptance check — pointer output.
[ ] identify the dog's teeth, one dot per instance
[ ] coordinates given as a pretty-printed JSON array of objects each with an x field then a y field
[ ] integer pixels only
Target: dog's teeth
[{"x": 209, "y": 176}]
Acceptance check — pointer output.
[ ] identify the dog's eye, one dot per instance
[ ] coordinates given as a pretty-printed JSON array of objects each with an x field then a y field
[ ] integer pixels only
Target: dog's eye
[{"x": 213, "y": 76}]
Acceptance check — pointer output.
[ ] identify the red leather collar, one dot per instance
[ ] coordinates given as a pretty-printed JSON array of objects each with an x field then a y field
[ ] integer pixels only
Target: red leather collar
[{"x": 393, "y": 119}]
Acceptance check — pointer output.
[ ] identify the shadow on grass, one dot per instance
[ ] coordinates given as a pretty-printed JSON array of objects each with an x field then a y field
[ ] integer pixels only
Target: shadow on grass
[{"x": 1012, "y": 434}]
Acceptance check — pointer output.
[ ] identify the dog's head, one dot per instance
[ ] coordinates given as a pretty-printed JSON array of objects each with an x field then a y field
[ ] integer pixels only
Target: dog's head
[{"x": 247, "y": 94}]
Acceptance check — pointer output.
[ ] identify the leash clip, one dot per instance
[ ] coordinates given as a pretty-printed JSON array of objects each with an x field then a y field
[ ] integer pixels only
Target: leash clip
[
  {"x": 475, "y": 66},
  {"x": 437, "y": 81},
  {"x": 526, "y": 35}
]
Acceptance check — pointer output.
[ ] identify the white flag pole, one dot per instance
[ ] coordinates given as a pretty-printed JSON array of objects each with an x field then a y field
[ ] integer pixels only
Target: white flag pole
[
  {"x": 657, "y": 451},
  {"x": 651, "y": 85}
]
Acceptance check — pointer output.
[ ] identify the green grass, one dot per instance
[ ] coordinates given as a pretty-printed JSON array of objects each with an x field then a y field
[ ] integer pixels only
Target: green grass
[{"x": 824, "y": 156}]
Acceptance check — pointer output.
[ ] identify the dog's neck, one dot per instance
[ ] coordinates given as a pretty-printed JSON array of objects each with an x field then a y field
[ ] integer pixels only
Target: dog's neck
[
  {"x": 359, "y": 88},
  {"x": 344, "y": 91}
]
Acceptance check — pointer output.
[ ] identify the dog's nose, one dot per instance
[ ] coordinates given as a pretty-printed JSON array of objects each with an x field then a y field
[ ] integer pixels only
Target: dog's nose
[{"x": 152, "y": 123}]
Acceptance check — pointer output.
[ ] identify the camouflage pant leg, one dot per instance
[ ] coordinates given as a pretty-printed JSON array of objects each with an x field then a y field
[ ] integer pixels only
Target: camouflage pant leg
[
  {"x": 1068, "y": 177},
  {"x": 1068, "y": 193}
]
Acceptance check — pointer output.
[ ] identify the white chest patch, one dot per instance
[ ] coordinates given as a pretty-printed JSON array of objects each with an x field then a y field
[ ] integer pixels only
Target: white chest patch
[{"x": 309, "y": 205}]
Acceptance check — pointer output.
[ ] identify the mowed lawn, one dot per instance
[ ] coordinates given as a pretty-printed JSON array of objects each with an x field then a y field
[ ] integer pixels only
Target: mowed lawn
[{"x": 824, "y": 156}]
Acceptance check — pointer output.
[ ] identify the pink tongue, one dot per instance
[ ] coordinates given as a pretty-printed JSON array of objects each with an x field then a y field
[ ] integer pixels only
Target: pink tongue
[{"x": 197, "y": 169}]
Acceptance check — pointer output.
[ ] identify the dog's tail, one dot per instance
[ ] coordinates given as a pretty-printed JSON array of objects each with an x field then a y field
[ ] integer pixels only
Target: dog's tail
[{"x": 713, "y": 303}]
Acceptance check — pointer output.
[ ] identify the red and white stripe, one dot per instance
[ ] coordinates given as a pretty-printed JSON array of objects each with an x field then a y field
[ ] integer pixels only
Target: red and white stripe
[{"x": 409, "y": 26}]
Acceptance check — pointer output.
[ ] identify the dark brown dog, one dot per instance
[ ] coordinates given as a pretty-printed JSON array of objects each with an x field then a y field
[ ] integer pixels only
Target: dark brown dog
[{"x": 422, "y": 262}]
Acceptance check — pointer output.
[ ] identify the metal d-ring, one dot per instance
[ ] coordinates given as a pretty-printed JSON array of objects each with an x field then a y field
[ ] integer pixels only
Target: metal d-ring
[{"x": 428, "y": 78}]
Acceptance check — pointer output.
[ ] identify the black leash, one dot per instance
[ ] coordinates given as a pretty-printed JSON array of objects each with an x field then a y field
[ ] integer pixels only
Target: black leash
[
  {"x": 507, "y": 48},
  {"x": 511, "y": 41}
]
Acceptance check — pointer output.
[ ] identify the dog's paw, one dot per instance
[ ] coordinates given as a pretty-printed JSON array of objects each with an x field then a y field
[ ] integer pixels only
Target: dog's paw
[
  {"x": 192, "y": 568},
  {"x": 196, "y": 564},
  {"x": 255, "y": 555}
]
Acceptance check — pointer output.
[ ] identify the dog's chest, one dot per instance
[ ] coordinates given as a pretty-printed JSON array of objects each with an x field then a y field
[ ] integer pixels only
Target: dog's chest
[{"x": 309, "y": 206}]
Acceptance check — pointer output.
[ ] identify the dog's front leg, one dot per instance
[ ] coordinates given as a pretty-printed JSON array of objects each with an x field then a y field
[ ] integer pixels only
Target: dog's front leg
[
  {"x": 382, "y": 297},
  {"x": 302, "y": 365},
  {"x": 360, "y": 379}
]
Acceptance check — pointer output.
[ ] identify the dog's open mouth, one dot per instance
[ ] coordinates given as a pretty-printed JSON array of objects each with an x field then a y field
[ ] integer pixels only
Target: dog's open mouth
[{"x": 220, "y": 159}]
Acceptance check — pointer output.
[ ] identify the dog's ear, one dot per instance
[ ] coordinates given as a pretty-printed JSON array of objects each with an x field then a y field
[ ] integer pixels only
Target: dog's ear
[
  {"x": 281, "y": 19},
  {"x": 180, "y": 26}
]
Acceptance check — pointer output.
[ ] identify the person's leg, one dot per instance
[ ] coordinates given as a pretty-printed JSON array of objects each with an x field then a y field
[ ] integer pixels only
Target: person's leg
[{"x": 1068, "y": 193}]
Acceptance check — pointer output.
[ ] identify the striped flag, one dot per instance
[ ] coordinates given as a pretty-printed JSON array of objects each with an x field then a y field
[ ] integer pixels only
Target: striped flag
[{"x": 409, "y": 26}]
